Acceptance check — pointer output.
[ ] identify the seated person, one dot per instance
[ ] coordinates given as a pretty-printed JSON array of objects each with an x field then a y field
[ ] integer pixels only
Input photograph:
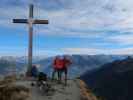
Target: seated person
[
  {"x": 40, "y": 78},
  {"x": 34, "y": 71}
]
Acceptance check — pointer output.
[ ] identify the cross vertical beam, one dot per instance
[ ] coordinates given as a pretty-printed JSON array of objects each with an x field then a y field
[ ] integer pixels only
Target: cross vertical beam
[
  {"x": 31, "y": 11},
  {"x": 30, "y": 50}
]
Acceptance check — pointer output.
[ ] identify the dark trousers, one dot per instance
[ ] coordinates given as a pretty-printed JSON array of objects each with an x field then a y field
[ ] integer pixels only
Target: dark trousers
[{"x": 64, "y": 70}]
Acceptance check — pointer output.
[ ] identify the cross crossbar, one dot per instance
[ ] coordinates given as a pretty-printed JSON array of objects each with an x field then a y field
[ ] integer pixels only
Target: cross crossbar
[
  {"x": 36, "y": 21},
  {"x": 20, "y": 21}
]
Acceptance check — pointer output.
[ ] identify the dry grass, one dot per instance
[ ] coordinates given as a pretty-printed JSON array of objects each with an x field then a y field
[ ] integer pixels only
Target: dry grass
[
  {"x": 9, "y": 91},
  {"x": 86, "y": 94}
]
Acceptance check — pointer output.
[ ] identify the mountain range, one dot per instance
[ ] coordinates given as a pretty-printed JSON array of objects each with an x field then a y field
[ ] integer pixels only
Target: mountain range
[
  {"x": 112, "y": 81},
  {"x": 80, "y": 63}
]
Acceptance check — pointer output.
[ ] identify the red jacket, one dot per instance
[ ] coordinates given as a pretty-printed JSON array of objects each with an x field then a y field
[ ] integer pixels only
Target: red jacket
[{"x": 58, "y": 63}]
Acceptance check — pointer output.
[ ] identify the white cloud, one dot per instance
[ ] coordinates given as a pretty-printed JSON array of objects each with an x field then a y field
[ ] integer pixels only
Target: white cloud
[
  {"x": 124, "y": 39},
  {"x": 44, "y": 52},
  {"x": 93, "y": 51},
  {"x": 79, "y": 18},
  {"x": 86, "y": 14},
  {"x": 81, "y": 51}
]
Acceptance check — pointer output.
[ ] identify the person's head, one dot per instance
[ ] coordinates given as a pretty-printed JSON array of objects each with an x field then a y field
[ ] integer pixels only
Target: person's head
[
  {"x": 65, "y": 57},
  {"x": 56, "y": 57},
  {"x": 34, "y": 66}
]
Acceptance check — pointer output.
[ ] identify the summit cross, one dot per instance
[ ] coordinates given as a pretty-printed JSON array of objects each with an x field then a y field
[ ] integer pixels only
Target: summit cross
[{"x": 30, "y": 21}]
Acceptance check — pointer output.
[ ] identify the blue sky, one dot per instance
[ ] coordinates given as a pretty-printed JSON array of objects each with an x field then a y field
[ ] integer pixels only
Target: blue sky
[{"x": 76, "y": 27}]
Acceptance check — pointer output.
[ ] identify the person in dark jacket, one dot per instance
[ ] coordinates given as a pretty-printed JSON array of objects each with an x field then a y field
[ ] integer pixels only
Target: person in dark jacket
[
  {"x": 34, "y": 71},
  {"x": 66, "y": 63}
]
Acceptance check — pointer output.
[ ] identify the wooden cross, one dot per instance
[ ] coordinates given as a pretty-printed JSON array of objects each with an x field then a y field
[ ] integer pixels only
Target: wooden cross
[{"x": 30, "y": 23}]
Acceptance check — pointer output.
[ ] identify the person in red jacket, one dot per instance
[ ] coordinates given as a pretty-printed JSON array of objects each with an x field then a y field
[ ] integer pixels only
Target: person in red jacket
[
  {"x": 66, "y": 62},
  {"x": 57, "y": 66}
]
